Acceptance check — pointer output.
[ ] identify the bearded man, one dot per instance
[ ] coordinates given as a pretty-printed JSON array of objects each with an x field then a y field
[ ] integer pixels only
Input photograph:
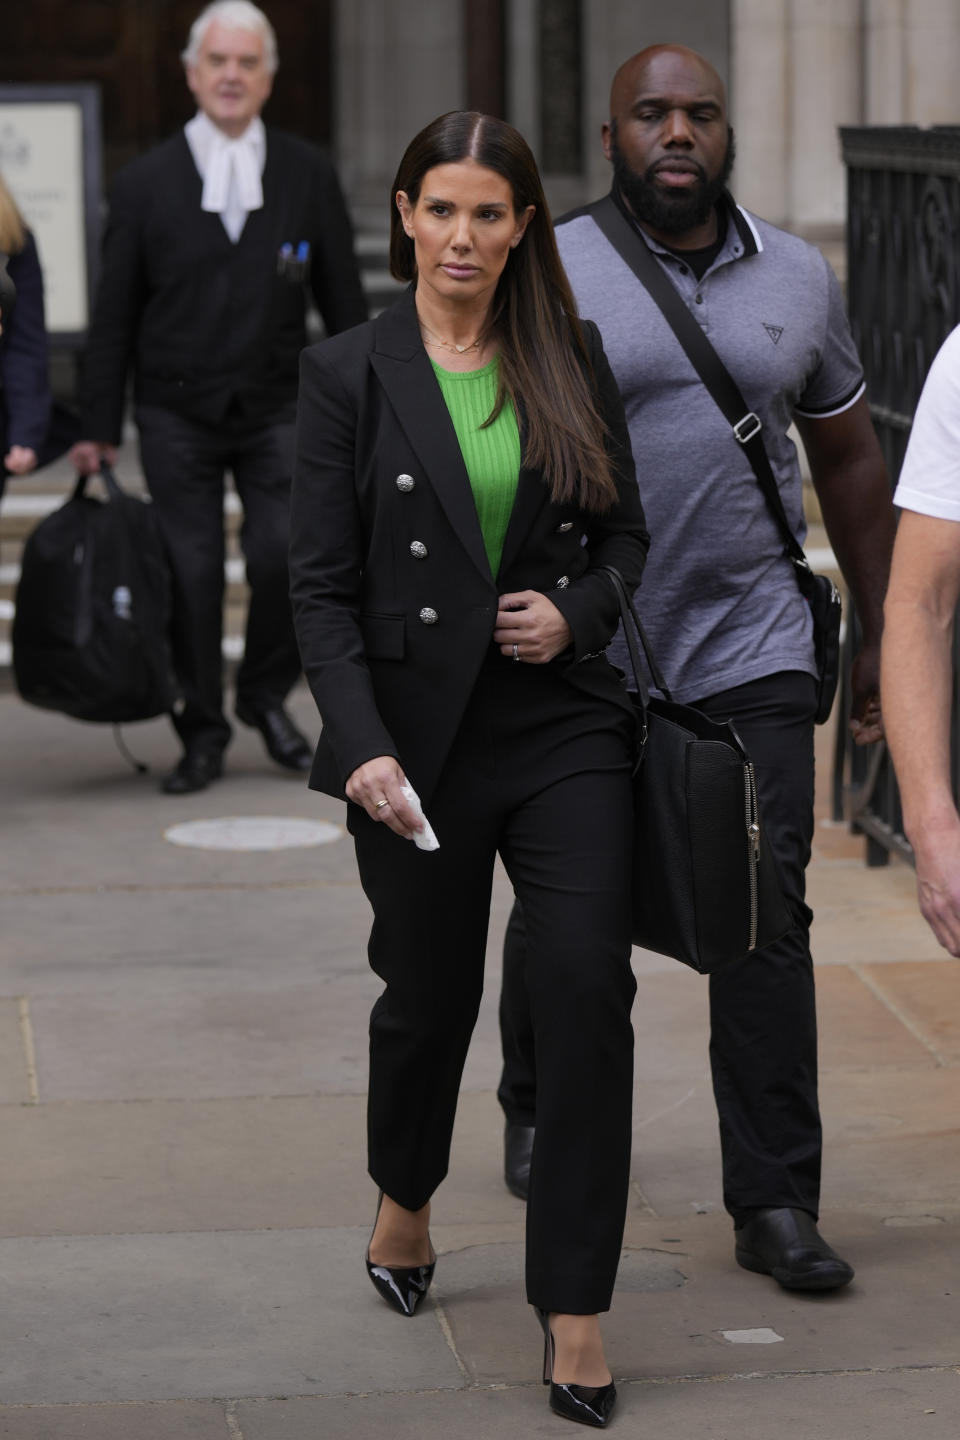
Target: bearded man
[{"x": 720, "y": 600}]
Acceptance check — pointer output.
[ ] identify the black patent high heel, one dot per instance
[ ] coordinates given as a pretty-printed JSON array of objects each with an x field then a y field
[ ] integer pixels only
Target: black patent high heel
[
  {"x": 589, "y": 1404},
  {"x": 402, "y": 1286}
]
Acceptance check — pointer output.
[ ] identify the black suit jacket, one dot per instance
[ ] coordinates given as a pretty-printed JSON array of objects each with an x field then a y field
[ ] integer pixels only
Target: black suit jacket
[
  {"x": 388, "y": 678},
  {"x": 203, "y": 320},
  {"x": 25, "y": 400}
]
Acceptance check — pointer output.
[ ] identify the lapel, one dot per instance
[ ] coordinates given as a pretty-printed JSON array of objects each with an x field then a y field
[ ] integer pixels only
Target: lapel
[
  {"x": 404, "y": 370},
  {"x": 188, "y": 188}
]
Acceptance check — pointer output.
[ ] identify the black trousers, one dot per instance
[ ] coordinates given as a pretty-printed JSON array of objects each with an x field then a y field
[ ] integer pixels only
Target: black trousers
[
  {"x": 184, "y": 463},
  {"x": 541, "y": 774},
  {"x": 763, "y": 1042}
]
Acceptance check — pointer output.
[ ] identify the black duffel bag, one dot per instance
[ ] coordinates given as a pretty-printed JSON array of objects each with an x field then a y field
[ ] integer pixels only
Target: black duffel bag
[{"x": 90, "y": 628}]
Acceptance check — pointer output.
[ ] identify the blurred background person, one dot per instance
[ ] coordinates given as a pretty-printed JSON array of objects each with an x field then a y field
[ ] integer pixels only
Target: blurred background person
[
  {"x": 918, "y": 642},
  {"x": 25, "y": 399},
  {"x": 214, "y": 239}
]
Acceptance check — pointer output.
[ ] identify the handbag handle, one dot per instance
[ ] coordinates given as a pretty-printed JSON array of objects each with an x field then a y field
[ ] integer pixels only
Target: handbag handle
[
  {"x": 114, "y": 492},
  {"x": 632, "y": 628}
]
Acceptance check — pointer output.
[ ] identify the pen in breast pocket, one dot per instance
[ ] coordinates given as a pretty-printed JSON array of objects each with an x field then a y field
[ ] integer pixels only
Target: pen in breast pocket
[{"x": 293, "y": 263}]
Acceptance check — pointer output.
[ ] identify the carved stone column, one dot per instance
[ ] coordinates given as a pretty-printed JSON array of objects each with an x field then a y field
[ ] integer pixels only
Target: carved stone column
[
  {"x": 395, "y": 69},
  {"x": 825, "y": 91},
  {"x": 759, "y": 105}
]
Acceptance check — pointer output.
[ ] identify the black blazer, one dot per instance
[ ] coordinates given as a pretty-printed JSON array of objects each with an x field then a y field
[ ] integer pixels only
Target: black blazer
[
  {"x": 392, "y": 640},
  {"x": 203, "y": 320},
  {"x": 25, "y": 400}
]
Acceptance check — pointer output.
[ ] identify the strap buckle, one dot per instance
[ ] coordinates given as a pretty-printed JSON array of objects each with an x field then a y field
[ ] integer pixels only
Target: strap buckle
[{"x": 748, "y": 427}]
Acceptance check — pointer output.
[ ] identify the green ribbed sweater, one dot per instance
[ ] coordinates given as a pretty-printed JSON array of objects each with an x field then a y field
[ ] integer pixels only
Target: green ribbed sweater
[{"x": 491, "y": 455}]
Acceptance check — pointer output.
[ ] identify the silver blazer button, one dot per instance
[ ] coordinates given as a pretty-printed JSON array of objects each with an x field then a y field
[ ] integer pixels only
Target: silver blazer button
[
  {"x": 405, "y": 484},
  {"x": 428, "y": 615},
  {"x": 418, "y": 550},
  {"x": 563, "y": 582},
  {"x": 567, "y": 525}
]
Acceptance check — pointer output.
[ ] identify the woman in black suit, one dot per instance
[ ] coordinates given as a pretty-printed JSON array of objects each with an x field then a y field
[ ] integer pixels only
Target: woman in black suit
[{"x": 452, "y": 619}]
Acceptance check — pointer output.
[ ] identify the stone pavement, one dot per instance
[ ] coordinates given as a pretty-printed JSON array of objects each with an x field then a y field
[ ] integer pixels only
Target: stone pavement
[{"x": 184, "y": 1206}]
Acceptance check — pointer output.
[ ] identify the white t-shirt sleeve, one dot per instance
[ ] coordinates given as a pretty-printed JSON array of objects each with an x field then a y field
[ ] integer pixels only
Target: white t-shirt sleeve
[{"x": 930, "y": 479}]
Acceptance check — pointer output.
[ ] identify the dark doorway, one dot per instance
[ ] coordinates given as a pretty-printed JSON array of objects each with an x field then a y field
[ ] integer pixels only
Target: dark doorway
[{"x": 131, "y": 48}]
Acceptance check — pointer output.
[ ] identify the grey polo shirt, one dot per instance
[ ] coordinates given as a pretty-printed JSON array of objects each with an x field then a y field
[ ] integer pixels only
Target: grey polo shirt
[{"x": 719, "y": 599}]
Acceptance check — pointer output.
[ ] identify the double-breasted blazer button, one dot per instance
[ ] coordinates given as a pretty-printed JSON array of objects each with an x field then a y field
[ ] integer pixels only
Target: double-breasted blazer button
[
  {"x": 405, "y": 484},
  {"x": 567, "y": 525},
  {"x": 428, "y": 615},
  {"x": 418, "y": 550},
  {"x": 563, "y": 582}
]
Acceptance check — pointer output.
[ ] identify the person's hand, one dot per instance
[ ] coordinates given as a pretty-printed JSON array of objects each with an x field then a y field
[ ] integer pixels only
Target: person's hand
[
  {"x": 86, "y": 455},
  {"x": 20, "y": 459},
  {"x": 380, "y": 780},
  {"x": 937, "y": 857},
  {"x": 530, "y": 627},
  {"x": 866, "y": 719}
]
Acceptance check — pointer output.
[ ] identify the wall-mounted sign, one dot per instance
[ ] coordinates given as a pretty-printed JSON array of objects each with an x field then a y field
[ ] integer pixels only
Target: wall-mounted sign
[{"x": 50, "y": 147}]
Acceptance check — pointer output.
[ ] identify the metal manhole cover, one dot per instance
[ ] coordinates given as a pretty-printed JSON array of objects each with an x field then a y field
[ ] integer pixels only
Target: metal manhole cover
[{"x": 253, "y": 832}]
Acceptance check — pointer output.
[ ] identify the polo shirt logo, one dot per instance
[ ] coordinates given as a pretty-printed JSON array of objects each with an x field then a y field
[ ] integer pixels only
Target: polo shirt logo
[{"x": 774, "y": 331}]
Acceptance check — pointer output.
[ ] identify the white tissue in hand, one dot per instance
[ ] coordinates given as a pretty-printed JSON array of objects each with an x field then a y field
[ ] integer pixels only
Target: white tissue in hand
[{"x": 423, "y": 837}]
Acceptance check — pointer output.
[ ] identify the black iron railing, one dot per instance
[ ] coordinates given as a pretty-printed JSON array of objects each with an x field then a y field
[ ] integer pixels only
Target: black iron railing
[{"x": 903, "y": 294}]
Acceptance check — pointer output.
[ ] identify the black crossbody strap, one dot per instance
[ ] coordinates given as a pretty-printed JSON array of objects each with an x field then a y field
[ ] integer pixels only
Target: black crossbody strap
[{"x": 720, "y": 384}]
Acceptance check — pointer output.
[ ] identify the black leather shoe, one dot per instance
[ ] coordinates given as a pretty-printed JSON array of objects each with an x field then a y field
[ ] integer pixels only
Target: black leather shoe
[
  {"x": 402, "y": 1286},
  {"x": 283, "y": 740},
  {"x": 517, "y": 1154},
  {"x": 589, "y": 1404},
  {"x": 786, "y": 1244},
  {"x": 194, "y": 771}
]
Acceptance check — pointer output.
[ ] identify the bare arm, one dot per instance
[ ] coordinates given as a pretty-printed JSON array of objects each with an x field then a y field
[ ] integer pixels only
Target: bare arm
[
  {"x": 917, "y": 686},
  {"x": 852, "y": 484}
]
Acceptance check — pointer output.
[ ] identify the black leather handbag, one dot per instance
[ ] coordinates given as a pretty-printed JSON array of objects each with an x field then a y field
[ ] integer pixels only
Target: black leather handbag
[
  {"x": 819, "y": 591},
  {"x": 705, "y": 884}
]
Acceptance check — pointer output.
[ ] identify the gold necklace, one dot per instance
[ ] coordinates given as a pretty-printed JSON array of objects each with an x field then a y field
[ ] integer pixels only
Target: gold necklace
[{"x": 477, "y": 344}]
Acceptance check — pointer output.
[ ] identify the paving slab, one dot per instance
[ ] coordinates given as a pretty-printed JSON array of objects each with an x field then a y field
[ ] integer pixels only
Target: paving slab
[
  {"x": 198, "y": 1316},
  {"x": 15, "y": 1077},
  {"x": 866, "y": 1406},
  {"x": 903, "y": 1308},
  {"x": 176, "y": 1421},
  {"x": 164, "y": 1166},
  {"x": 859, "y": 1029},
  {"x": 868, "y": 917},
  {"x": 924, "y": 997}
]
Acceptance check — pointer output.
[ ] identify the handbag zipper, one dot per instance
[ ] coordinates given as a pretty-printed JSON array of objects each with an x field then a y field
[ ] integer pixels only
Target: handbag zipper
[{"x": 753, "y": 846}]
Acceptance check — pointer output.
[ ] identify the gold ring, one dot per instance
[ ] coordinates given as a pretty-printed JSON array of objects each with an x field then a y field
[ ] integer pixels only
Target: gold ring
[{"x": 380, "y": 804}]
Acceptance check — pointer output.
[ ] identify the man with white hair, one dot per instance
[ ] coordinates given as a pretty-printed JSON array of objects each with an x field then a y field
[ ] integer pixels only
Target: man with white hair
[{"x": 214, "y": 240}]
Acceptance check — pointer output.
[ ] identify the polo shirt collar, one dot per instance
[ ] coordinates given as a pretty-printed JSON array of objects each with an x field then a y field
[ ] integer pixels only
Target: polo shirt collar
[{"x": 742, "y": 238}]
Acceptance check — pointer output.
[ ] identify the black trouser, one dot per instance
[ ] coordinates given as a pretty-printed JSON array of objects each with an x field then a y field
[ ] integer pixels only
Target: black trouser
[
  {"x": 540, "y": 773},
  {"x": 184, "y": 463},
  {"x": 763, "y": 1045}
]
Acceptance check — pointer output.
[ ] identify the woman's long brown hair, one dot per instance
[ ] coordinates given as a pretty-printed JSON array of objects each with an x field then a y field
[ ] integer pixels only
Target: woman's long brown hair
[{"x": 544, "y": 362}]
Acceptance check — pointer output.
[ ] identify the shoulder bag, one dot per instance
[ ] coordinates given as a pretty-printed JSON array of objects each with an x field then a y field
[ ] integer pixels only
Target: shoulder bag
[
  {"x": 819, "y": 591},
  {"x": 705, "y": 884}
]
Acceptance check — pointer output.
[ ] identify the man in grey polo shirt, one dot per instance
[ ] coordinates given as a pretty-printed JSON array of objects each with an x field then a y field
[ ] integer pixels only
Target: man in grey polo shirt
[{"x": 719, "y": 599}]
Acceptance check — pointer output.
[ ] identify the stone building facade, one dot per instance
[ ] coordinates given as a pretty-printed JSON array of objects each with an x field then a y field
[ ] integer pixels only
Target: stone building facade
[{"x": 796, "y": 70}]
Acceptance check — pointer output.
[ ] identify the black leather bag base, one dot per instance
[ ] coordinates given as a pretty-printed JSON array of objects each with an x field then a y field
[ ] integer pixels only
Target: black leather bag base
[{"x": 705, "y": 885}]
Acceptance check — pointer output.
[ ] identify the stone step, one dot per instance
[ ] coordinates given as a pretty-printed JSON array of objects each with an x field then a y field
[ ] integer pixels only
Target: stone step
[{"x": 234, "y": 575}]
